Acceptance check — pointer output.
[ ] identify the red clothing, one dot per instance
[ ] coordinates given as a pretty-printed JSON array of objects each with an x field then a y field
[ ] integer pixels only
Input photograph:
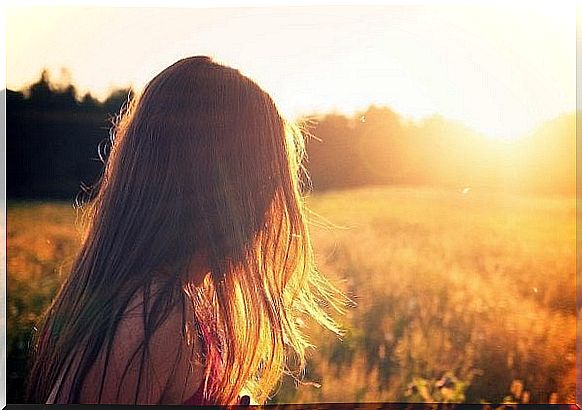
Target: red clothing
[
  {"x": 197, "y": 398},
  {"x": 214, "y": 362}
]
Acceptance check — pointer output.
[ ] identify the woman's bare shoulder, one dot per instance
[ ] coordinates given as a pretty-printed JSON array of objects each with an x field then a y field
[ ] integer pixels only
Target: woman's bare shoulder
[{"x": 171, "y": 372}]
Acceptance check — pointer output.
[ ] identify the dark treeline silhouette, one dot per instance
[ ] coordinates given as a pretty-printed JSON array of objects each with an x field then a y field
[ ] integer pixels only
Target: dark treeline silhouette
[{"x": 53, "y": 135}]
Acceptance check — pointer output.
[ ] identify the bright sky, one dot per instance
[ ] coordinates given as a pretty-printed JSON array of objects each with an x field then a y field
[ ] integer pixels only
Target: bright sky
[{"x": 501, "y": 70}]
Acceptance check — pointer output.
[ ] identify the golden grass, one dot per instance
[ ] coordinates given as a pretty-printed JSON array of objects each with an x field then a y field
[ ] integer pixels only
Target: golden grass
[{"x": 476, "y": 286}]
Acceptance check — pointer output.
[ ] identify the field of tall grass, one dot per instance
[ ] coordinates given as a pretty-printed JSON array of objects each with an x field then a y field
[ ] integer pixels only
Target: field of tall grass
[{"x": 458, "y": 294}]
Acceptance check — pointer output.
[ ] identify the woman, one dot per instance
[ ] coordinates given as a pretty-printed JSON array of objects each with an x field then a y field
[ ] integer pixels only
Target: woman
[{"x": 196, "y": 268}]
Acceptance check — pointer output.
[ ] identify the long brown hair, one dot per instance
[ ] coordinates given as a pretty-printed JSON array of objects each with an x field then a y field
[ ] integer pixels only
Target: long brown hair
[{"x": 202, "y": 160}]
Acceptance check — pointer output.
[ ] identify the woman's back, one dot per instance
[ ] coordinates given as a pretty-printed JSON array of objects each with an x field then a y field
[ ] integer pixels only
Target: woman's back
[{"x": 173, "y": 372}]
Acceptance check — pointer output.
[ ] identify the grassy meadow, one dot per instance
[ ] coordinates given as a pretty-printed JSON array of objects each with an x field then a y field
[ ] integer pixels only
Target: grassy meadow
[{"x": 457, "y": 294}]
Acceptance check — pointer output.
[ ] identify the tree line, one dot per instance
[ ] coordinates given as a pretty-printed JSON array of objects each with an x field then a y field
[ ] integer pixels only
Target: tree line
[{"x": 54, "y": 135}]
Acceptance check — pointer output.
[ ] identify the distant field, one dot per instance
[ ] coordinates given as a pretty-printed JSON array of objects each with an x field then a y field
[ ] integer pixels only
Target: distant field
[{"x": 474, "y": 286}]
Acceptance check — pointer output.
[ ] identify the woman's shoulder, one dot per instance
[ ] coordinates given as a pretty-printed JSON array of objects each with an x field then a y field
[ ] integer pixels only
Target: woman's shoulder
[{"x": 148, "y": 364}]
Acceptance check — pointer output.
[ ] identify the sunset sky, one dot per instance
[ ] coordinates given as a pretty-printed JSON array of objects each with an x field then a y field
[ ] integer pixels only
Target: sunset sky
[{"x": 500, "y": 70}]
